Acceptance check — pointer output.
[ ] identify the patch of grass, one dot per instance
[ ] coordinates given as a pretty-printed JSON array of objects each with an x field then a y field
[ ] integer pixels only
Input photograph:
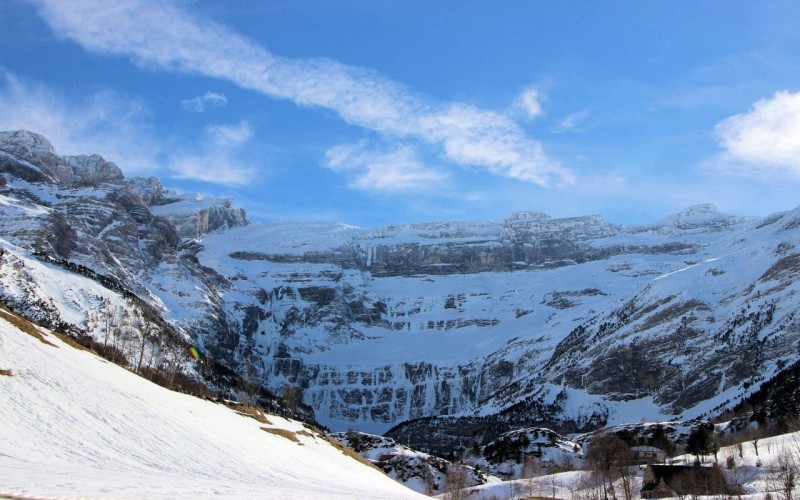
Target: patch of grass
[
  {"x": 291, "y": 436},
  {"x": 350, "y": 452},
  {"x": 303, "y": 432},
  {"x": 250, "y": 411},
  {"x": 72, "y": 342},
  {"x": 7, "y": 373},
  {"x": 24, "y": 325},
  {"x": 34, "y": 331}
]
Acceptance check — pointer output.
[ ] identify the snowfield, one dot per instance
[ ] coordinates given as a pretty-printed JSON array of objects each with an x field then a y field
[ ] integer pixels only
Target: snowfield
[{"x": 74, "y": 425}]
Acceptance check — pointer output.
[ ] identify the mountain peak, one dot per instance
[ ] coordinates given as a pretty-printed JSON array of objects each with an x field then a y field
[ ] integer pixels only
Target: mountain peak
[
  {"x": 701, "y": 209},
  {"x": 27, "y": 139},
  {"x": 525, "y": 216}
]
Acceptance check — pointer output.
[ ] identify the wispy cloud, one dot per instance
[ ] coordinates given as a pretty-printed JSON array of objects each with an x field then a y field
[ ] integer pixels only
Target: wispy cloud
[
  {"x": 214, "y": 167},
  {"x": 765, "y": 141},
  {"x": 160, "y": 35},
  {"x": 571, "y": 122},
  {"x": 216, "y": 162},
  {"x": 394, "y": 170},
  {"x": 530, "y": 102},
  {"x": 198, "y": 104},
  {"x": 230, "y": 136},
  {"x": 112, "y": 125}
]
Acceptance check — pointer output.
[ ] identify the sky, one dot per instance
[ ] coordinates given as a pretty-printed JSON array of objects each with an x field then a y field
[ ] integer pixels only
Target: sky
[{"x": 378, "y": 112}]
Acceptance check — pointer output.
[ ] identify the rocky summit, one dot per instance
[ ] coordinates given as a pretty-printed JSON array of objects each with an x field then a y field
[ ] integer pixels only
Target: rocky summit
[{"x": 464, "y": 329}]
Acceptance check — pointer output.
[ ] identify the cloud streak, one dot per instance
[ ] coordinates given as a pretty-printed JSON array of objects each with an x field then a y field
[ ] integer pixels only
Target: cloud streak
[
  {"x": 214, "y": 167},
  {"x": 198, "y": 104},
  {"x": 229, "y": 136},
  {"x": 530, "y": 102},
  {"x": 571, "y": 122},
  {"x": 159, "y": 35},
  {"x": 395, "y": 170}
]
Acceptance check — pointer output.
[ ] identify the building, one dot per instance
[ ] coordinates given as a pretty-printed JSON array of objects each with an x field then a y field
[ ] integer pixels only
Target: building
[
  {"x": 648, "y": 454},
  {"x": 664, "y": 481}
]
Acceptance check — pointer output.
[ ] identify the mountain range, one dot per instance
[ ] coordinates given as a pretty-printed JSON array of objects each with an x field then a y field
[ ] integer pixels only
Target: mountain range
[{"x": 439, "y": 333}]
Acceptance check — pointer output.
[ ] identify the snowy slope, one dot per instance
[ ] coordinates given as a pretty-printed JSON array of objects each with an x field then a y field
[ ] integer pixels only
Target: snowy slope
[{"x": 72, "y": 424}]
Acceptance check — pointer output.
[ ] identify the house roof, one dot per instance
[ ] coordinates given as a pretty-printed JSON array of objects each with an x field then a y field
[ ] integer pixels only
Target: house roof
[{"x": 687, "y": 479}]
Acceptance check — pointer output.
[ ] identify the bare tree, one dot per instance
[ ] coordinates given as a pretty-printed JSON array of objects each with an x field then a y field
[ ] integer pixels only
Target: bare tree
[
  {"x": 428, "y": 478},
  {"x": 103, "y": 319},
  {"x": 147, "y": 326},
  {"x": 250, "y": 383},
  {"x": 173, "y": 353},
  {"x": 156, "y": 341},
  {"x": 293, "y": 397},
  {"x": 738, "y": 474},
  {"x": 531, "y": 470},
  {"x": 512, "y": 489},
  {"x": 783, "y": 475},
  {"x": 456, "y": 482},
  {"x": 593, "y": 486},
  {"x": 609, "y": 457}
]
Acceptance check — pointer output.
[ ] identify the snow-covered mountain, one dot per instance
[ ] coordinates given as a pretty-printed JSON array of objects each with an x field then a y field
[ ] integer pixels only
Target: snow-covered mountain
[
  {"x": 75, "y": 425},
  {"x": 530, "y": 321}
]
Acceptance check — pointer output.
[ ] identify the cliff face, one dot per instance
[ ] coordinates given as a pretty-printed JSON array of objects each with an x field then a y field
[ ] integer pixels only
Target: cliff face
[{"x": 559, "y": 322}]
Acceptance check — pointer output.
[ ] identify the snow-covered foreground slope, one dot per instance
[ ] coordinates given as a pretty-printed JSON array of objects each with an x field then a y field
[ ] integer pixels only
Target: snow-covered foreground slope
[{"x": 72, "y": 424}]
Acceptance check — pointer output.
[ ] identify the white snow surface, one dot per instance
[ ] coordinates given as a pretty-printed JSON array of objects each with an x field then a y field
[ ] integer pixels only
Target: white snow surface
[{"x": 74, "y": 425}]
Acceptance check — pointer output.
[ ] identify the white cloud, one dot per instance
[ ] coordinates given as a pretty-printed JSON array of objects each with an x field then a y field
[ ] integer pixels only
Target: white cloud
[
  {"x": 158, "y": 34},
  {"x": 530, "y": 102},
  {"x": 216, "y": 163},
  {"x": 214, "y": 167},
  {"x": 570, "y": 122},
  {"x": 230, "y": 136},
  {"x": 106, "y": 123},
  {"x": 395, "y": 170},
  {"x": 198, "y": 104},
  {"x": 765, "y": 140}
]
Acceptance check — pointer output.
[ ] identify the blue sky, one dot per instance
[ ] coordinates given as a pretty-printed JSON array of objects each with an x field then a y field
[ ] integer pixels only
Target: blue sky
[{"x": 376, "y": 112}]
